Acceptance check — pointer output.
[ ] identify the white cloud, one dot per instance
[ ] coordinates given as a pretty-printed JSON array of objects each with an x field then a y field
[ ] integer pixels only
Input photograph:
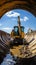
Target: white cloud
[
  {"x": 0, "y": 24},
  {"x": 26, "y": 18},
  {"x": 12, "y": 14},
  {"x": 6, "y": 28}
]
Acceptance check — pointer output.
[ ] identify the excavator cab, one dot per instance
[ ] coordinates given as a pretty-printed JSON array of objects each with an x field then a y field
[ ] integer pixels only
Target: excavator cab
[{"x": 16, "y": 30}]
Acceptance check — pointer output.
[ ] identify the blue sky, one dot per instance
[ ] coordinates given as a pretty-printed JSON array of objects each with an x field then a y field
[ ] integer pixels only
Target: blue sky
[{"x": 9, "y": 20}]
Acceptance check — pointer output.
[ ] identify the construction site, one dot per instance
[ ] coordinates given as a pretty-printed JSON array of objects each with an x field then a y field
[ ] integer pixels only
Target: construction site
[{"x": 17, "y": 47}]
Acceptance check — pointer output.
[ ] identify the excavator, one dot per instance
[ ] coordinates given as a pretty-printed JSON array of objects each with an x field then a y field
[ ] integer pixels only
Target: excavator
[
  {"x": 18, "y": 33},
  {"x": 19, "y": 46}
]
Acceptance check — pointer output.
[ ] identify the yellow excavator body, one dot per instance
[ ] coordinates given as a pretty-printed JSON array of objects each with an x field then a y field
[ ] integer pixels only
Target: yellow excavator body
[
  {"x": 17, "y": 36},
  {"x": 20, "y": 31}
]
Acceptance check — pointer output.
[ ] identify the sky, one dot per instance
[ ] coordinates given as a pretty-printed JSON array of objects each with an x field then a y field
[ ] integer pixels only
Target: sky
[{"x": 9, "y": 20}]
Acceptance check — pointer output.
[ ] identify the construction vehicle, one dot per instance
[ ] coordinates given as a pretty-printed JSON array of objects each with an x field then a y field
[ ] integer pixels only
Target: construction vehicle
[{"x": 18, "y": 33}]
